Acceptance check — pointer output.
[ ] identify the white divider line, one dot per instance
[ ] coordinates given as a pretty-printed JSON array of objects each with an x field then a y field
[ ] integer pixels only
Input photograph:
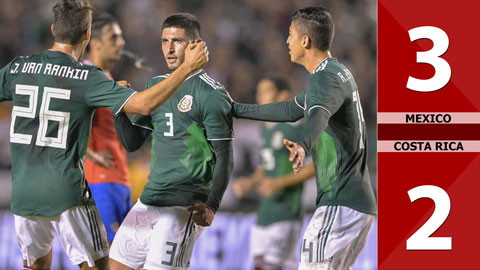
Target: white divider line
[
  {"x": 428, "y": 146},
  {"x": 429, "y": 118}
]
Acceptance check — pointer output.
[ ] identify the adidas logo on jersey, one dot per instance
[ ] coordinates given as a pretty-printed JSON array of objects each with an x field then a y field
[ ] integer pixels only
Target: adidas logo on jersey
[{"x": 185, "y": 103}]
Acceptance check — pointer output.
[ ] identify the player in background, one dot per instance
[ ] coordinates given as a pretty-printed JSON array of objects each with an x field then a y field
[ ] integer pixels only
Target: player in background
[
  {"x": 106, "y": 167},
  {"x": 54, "y": 97},
  {"x": 192, "y": 160},
  {"x": 335, "y": 133},
  {"x": 274, "y": 238}
]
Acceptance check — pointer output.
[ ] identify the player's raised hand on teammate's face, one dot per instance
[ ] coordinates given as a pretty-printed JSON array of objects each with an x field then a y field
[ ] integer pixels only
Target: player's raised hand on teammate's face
[
  {"x": 196, "y": 55},
  {"x": 297, "y": 154},
  {"x": 202, "y": 215}
]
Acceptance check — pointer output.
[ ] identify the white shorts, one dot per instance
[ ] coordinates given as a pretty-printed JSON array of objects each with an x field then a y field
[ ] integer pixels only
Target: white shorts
[
  {"x": 154, "y": 238},
  {"x": 334, "y": 238},
  {"x": 80, "y": 230},
  {"x": 277, "y": 242}
]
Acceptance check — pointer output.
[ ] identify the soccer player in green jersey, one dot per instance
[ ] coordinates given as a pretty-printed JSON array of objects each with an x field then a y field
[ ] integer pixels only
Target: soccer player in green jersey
[
  {"x": 192, "y": 159},
  {"x": 54, "y": 97},
  {"x": 273, "y": 240},
  {"x": 335, "y": 133}
]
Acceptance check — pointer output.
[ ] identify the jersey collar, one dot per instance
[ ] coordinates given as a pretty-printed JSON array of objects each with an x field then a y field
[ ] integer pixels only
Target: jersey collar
[
  {"x": 59, "y": 53},
  {"x": 194, "y": 74},
  {"x": 322, "y": 64}
]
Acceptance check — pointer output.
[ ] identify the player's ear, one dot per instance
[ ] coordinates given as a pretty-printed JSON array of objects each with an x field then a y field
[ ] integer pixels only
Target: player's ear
[
  {"x": 87, "y": 33},
  {"x": 52, "y": 29},
  {"x": 306, "y": 42}
]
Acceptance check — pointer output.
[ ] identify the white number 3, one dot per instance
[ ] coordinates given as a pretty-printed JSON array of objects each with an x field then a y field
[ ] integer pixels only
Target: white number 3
[
  {"x": 421, "y": 239},
  {"x": 443, "y": 71}
]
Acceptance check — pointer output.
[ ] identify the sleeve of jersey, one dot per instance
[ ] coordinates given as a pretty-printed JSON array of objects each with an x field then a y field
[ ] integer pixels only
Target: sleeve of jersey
[
  {"x": 300, "y": 100},
  {"x": 324, "y": 92},
  {"x": 103, "y": 92},
  {"x": 5, "y": 91},
  {"x": 143, "y": 121},
  {"x": 132, "y": 137},
  {"x": 287, "y": 111},
  {"x": 222, "y": 172},
  {"x": 217, "y": 116}
]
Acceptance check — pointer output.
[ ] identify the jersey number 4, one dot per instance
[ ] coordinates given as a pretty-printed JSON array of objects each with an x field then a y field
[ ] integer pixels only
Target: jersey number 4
[{"x": 45, "y": 115}]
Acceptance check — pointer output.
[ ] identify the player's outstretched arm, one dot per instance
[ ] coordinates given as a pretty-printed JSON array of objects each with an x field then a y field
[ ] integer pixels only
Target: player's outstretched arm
[
  {"x": 196, "y": 56},
  {"x": 317, "y": 122},
  {"x": 131, "y": 136},
  {"x": 287, "y": 111}
]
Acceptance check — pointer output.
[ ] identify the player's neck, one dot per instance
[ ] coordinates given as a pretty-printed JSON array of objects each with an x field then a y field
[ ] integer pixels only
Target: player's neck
[
  {"x": 100, "y": 62},
  {"x": 313, "y": 58},
  {"x": 76, "y": 51}
]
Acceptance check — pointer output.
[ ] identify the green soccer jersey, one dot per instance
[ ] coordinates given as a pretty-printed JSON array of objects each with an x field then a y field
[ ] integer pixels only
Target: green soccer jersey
[
  {"x": 182, "y": 160},
  {"x": 54, "y": 98},
  {"x": 340, "y": 154},
  {"x": 285, "y": 204}
]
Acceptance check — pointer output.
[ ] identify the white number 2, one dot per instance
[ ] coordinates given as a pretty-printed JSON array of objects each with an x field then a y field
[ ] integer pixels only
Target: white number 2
[
  {"x": 45, "y": 115},
  {"x": 421, "y": 239},
  {"x": 443, "y": 71},
  {"x": 169, "y": 124}
]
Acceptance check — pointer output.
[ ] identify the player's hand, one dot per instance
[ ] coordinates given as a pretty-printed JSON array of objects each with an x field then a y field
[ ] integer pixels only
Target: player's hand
[
  {"x": 241, "y": 186},
  {"x": 124, "y": 84},
  {"x": 297, "y": 154},
  {"x": 268, "y": 187},
  {"x": 202, "y": 215},
  {"x": 103, "y": 158},
  {"x": 196, "y": 55}
]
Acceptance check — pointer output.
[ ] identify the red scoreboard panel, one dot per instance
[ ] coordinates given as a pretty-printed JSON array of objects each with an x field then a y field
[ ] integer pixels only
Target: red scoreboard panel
[{"x": 428, "y": 134}]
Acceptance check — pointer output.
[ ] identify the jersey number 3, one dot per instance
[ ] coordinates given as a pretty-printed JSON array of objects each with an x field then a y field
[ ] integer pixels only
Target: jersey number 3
[{"x": 45, "y": 115}]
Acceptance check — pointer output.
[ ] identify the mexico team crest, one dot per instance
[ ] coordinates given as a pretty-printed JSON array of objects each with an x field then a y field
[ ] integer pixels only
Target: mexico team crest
[{"x": 185, "y": 103}]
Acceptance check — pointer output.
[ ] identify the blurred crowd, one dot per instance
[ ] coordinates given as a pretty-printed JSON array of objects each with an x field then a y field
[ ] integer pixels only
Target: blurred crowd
[{"x": 246, "y": 40}]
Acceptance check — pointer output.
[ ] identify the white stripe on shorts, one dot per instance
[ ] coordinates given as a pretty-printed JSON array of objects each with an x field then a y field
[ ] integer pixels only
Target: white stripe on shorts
[{"x": 324, "y": 232}]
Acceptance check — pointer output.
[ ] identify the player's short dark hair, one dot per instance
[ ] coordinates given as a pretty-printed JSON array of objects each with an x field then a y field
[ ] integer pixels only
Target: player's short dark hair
[
  {"x": 72, "y": 19},
  {"x": 186, "y": 21},
  {"x": 317, "y": 23},
  {"x": 99, "y": 21},
  {"x": 279, "y": 83}
]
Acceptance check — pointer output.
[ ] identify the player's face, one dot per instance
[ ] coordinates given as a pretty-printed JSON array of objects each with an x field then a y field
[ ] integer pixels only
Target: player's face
[
  {"x": 294, "y": 42},
  {"x": 266, "y": 92},
  {"x": 174, "y": 43},
  {"x": 112, "y": 42}
]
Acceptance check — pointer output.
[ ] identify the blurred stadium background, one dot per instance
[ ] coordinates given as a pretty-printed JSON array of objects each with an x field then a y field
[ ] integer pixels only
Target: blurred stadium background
[{"x": 246, "y": 40}]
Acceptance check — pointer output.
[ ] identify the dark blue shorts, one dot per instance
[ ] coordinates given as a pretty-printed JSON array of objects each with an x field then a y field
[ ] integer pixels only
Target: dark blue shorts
[{"x": 113, "y": 201}]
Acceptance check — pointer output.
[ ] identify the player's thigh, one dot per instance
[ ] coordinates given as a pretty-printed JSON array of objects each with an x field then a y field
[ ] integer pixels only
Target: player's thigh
[
  {"x": 172, "y": 240},
  {"x": 106, "y": 202},
  {"x": 82, "y": 235},
  {"x": 44, "y": 262},
  {"x": 277, "y": 242},
  {"x": 328, "y": 236},
  {"x": 131, "y": 242},
  {"x": 123, "y": 200},
  {"x": 100, "y": 264},
  {"x": 356, "y": 227},
  {"x": 35, "y": 237}
]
